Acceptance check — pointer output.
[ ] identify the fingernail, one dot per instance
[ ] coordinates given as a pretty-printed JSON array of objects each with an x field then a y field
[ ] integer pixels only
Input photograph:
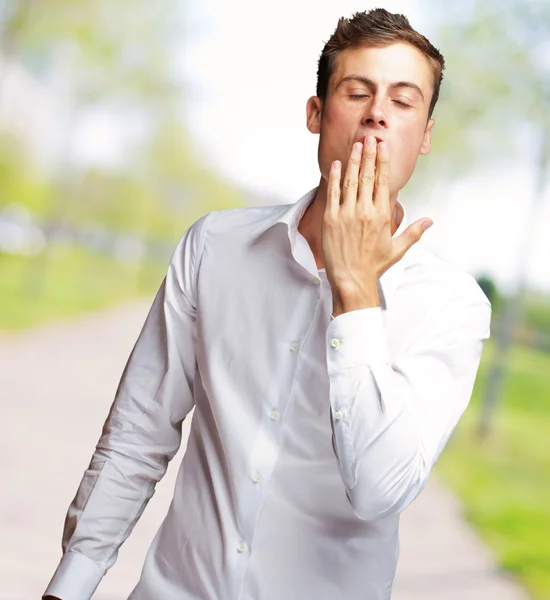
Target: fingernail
[
  {"x": 336, "y": 165},
  {"x": 357, "y": 147},
  {"x": 427, "y": 225},
  {"x": 371, "y": 141}
]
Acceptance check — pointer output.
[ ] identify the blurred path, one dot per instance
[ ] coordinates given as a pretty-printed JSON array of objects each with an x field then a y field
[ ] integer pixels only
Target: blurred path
[{"x": 56, "y": 386}]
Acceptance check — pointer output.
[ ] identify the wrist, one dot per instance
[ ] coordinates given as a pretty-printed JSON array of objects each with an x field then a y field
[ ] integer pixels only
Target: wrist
[{"x": 350, "y": 299}]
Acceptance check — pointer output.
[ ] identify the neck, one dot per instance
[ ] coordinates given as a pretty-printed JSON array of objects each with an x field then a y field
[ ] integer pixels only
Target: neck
[{"x": 311, "y": 224}]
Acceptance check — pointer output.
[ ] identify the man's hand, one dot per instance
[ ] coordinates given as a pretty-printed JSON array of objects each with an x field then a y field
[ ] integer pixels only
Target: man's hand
[{"x": 356, "y": 240}]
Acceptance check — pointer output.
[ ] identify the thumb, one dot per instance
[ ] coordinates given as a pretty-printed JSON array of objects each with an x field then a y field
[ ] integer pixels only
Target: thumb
[{"x": 410, "y": 236}]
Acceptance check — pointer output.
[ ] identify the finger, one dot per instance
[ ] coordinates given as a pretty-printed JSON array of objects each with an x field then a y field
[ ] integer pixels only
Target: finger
[
  {"x": 382, "y": 183},
  {"x": 367, "y": 173},
  {"x": 410, "y": 236},
  {"x": 351, "y": 179},
  {"x": 333, "y": 188}
]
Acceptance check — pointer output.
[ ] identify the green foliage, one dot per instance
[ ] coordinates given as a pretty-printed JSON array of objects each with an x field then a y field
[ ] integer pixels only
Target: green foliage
[
  {"x": 495, "y": 88},
  {"x": 18, "y": 183},
  {"x": 65, "y": 282},
  {"x": 490, "y": 289},
  {"x": 160, "y": 189},
  {"x": 116, "y": 57},
  {"x": 117, "y": 49},
  {"x": 537, "y": 312},
  {"x": 504, "y": 481}
]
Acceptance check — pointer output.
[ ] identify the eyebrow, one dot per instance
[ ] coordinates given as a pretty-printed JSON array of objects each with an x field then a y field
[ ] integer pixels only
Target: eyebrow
[{"x": 370, "y": 82}]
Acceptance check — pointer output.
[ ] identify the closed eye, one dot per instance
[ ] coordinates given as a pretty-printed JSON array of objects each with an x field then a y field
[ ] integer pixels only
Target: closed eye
[
  {"x": 404, "y": 104},
  {"x": 358, "y": 96}
]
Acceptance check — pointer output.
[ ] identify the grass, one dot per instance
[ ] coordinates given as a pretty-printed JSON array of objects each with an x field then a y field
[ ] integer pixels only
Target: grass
[
  {"x": 64, "y": 282},
  {"x": 504, "y": 480}
]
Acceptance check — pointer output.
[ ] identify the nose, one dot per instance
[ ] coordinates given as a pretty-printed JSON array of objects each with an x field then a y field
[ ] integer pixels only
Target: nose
[{"x": 375, "y": 115}]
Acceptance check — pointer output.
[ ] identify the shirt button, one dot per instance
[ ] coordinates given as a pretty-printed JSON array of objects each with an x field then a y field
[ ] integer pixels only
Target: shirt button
[
  {"x": 274, "y": 416},
  {"x": 241, "y": 547},
  {"x": 335, "y": 343},
  {"x": 256, "y": 478},
  {"x": 338, "y": 415},
  {"x": 294, "y": 347},
  {"x": 316, "y": 281}
]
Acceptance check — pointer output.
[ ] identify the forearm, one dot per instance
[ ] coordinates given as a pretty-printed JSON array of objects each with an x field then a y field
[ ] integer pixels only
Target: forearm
[
  {"x": 391, "y": 418},
  {"x": 140, "y": 436},
  {"x": 379, "y": 444}
]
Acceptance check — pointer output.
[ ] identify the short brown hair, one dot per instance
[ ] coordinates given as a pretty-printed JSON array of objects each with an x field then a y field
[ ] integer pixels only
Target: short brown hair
[{"x": 376, "y": 28}]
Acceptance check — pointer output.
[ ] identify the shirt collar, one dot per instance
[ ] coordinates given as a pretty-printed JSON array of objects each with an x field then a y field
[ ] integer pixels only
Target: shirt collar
[{"x": 291, "y": 214}]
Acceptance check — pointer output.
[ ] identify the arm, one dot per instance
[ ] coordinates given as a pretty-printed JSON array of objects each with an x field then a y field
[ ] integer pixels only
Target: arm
[
  {"x": 142, "y": 432},
  {"x": 391, "y": 421}
]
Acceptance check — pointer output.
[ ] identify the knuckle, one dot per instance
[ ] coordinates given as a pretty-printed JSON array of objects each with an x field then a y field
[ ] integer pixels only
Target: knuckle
[
  {"x": 365, "y": 211},
  {"x": 350, "y": 184},
  {"x": 328, "y": 221},
  {"x": 364, "y": 215},
  {"x": 383, "y": 180},
  {"x": 385, "y": 216},
  {"x": 367, "y": 179},
  {"x": 346, "y": 218},
  {"x": 414, "y": 235}
]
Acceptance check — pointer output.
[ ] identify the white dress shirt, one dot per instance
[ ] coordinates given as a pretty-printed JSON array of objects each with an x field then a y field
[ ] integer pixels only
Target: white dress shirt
[{"x": 310, "y": 433}]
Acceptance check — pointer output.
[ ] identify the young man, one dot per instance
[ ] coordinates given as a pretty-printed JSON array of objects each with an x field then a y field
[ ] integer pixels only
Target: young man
[{"x": 327, "y": 356}]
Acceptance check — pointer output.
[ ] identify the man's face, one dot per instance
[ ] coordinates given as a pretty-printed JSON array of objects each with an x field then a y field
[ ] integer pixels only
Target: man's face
[{"x": 385, "y": 92}]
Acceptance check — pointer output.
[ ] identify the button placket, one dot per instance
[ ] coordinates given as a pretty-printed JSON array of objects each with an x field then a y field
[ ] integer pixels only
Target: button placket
[{"x": 262, "y": 459}]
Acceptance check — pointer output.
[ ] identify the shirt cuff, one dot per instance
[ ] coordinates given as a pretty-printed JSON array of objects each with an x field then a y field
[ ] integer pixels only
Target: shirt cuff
[
  {"x": 76, "y": 578},
  {"x": 356, "y": 338}
]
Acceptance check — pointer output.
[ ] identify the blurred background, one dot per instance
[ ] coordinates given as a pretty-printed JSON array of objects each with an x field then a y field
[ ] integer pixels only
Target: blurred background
[{"x": 123, "y": 122}]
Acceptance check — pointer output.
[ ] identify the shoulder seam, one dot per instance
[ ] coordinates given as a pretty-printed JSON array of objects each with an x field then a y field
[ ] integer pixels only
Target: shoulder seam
[
  {"x": 200, "y": 251},
  {"x": 202, "y": 238}
]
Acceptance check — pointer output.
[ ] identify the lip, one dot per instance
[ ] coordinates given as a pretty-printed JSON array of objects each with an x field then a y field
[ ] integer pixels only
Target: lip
[{"x": 376, "y": 137}]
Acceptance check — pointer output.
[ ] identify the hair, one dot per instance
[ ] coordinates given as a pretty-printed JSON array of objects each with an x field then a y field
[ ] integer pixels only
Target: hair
[{"x": 376, "y": 28}]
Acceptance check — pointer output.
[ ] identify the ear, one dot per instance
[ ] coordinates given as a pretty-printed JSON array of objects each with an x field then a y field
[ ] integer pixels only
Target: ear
[
  {"x": 427, "y": 141},
  {"x": 314, "y": 109}
]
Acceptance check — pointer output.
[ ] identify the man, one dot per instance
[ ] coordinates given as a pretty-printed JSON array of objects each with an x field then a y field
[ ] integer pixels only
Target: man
[{"x": 327, "y": 355}]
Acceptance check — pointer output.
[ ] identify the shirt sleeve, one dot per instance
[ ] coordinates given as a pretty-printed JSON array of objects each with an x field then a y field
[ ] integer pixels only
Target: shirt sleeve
[
  {"x": 142, "y": 432},
  {"x": 390, "y": 421}
]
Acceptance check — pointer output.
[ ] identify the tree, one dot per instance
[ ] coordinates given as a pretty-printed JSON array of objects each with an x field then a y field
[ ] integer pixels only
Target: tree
[
  {"x": 496, "y": 88},
  {"x": 494, "y": 106},
  {"x": 119, "y": 49}
]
